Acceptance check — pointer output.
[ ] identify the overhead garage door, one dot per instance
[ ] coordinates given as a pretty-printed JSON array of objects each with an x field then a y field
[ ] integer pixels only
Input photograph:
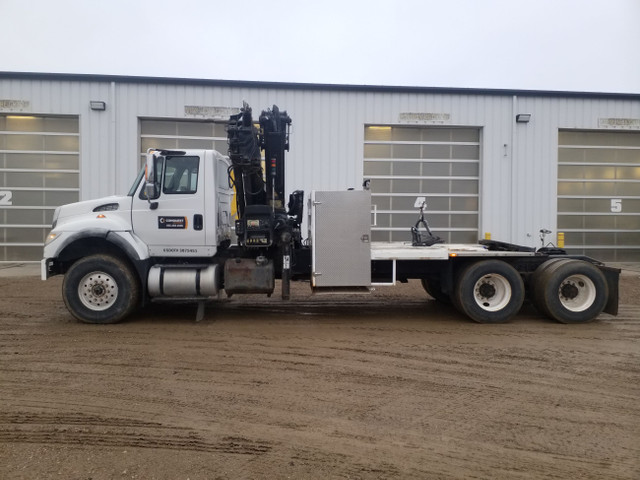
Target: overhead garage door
[
  {"x": 38, "y": 171},
  {"x": 175, "y": 134},
  {"x": 439, "y": 163},
  {"x": 599, "y": 193}
]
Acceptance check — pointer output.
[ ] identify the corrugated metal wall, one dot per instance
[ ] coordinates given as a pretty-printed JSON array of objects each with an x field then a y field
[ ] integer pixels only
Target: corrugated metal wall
[{"x": 518, "y": 161}]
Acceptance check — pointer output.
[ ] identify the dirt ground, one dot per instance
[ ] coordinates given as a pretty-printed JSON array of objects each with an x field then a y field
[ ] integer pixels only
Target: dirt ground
[{"x": 394, "y": 385}]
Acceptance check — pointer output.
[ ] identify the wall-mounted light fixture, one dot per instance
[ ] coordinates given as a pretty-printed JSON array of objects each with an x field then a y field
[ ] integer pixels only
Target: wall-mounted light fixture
[
  {"x": 523, "y": 117},
  {"x": 97, "y": 105}
]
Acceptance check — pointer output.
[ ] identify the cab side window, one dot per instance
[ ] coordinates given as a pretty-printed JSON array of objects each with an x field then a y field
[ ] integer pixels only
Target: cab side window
[{"x": 180, "y": 175}]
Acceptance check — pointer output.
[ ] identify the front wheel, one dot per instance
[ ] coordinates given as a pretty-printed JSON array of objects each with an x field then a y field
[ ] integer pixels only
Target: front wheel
[
  {"x": 489, "y": 291},
  {"x": 100, "y": 289}
]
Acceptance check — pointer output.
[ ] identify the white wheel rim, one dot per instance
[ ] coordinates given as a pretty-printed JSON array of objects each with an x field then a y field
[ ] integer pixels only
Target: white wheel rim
[
  {"x": 492, "y": 292},
  {"x": 577, "y": 293},
  {"x": 98, "y": 291}
]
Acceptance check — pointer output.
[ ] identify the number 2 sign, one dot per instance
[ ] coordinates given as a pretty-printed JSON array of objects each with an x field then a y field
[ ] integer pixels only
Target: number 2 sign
[{"x": 5, "y": 197}]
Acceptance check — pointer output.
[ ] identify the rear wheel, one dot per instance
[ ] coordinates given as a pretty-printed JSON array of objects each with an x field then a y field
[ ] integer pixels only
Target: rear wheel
[
  {"x": 571, "y": 291},
  {"x": 100, "y": 289},
  {"x": 536, "y": 282},
  {"x": 489, "y": 291}
]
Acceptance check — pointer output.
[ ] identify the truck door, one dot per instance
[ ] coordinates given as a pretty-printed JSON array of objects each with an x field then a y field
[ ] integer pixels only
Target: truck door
[{"x": 172, "y": 223}]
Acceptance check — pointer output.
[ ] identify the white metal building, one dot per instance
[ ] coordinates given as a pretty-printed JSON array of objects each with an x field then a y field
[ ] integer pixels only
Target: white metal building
[{"x": 505, "y": 162}]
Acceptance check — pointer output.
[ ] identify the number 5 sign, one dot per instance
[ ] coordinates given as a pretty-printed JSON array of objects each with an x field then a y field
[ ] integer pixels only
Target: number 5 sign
[
  {"x": 5, "y": 197},
  {"x": 616, "y": 205}
]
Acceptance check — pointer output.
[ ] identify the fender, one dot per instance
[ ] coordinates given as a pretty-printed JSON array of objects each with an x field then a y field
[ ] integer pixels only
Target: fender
[{"x": 125, "y": 242}]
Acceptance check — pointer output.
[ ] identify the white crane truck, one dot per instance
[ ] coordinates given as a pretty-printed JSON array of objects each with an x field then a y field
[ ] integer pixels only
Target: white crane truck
[{"x": 171, "y": 237}]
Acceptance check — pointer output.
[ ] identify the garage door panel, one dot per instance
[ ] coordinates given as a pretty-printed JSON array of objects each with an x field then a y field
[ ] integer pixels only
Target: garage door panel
[
  {"x": 39, "y": 168},
  {"x": 382, "y": 203},
  {"x": 436, "y": 151},
  {"x": 628, "y": 189},
  {"x": 601, "y": 169},
  {"x": 462, "y": 220},
  {"x": 20, "y": 254},
  {"x": 405, "y": 186},
  {"x": 176, "y": 134},
  {"x": 407, "y": 168},
  {"x": 628, "y": 222},
  {"x": 598, "y": 222},
  {"x": 377, "y": 151},
  {"x": 17, "y": 235},
  {"x": 194, "y": 129},
  {"x": 167, "y": 143},
  {"x": 571, "y": 221},
  {"x": 61, "y": 143},
  {"x": 465, "y": 135},
  {"x": 51, "y": 180},
  {"x": 600, "y": 188},
  {"x": 26, "y": 216},
  {"x": 464, "y": 203},
  {"x": 378, "y": 168},
  {"x": 24, "y": 160},
  {"x": 195, "y": 143},
  {"x": 436, "y": 134},
  {"x": 465, "y": 169},
  {"x": 406, "y": 151},
  {"x": 469, "y": 152},
  {"x": 465, "y": 186},
  {"x": 448, "y": 178},
  {"x": 463, "y": 237},
  {"x": 380, "y": 185},
  {"x": 629, "y": 156}
]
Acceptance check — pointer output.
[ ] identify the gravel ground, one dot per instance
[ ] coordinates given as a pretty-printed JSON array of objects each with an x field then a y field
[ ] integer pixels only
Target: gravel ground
[{"x": 393, "y": 385}]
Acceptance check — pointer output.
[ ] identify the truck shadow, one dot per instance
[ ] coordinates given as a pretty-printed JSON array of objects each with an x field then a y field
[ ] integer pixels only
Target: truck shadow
[{"x": 314, "y": 311}]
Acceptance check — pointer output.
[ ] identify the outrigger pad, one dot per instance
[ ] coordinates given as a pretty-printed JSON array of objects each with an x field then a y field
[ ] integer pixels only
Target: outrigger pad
[{"x": 496, "y": 246}]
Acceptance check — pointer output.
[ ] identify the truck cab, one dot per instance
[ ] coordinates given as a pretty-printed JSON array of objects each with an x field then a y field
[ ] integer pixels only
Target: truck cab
[
  {"x": 183, "y": 206},
  {"x": 177, "y": 212}
]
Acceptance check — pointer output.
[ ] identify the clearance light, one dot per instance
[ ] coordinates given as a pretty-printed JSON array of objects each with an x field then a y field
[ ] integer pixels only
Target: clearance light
[
  {"x": 102, "y": 215},
  {"x": 452, "y": 255},
  {"x": 50, "y": 238}
]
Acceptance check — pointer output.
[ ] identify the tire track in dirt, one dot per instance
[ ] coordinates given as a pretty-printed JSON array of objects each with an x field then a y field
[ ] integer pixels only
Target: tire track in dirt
[{"x": 92, "y": 430}]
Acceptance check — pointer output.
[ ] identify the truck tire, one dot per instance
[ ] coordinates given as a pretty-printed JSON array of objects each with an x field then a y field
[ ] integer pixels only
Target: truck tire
[
  {"x": 100, "y": 289},
  {"x": 434, "y": 289},
  {"x": 572, "y": 291},
  {"x": 489, "y": 291},
  {"x": 536, "y": 292}
]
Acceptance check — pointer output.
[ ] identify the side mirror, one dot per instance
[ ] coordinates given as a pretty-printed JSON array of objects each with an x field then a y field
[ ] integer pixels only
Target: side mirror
[
  {"x": 151, "y": 187},
  {"x": 150, "y": 190}
]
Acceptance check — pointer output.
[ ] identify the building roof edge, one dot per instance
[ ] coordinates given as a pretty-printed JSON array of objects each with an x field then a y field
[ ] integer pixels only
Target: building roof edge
[{"x": 312, "y": 86}]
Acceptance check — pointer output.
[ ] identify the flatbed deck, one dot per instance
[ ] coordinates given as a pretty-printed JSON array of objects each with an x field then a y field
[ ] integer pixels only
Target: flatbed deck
[{"x": 406, "y": 251}]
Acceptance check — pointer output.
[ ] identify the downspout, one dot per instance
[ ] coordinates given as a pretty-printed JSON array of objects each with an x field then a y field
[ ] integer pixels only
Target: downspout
[
  {"x": 113, "y": 137},
  {"x": 512, "y": 219}
]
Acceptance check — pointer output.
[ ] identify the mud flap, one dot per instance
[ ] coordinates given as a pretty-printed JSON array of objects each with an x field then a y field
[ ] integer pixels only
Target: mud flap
[{"x": 612, "y": 275}]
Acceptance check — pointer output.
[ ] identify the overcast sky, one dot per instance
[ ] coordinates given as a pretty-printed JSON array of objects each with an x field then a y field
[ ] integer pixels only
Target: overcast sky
[{"x": 568, "y": 45}]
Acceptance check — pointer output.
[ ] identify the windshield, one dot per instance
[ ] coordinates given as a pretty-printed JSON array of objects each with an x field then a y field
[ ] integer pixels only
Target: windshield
[{"x": 134, "y": 187}]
